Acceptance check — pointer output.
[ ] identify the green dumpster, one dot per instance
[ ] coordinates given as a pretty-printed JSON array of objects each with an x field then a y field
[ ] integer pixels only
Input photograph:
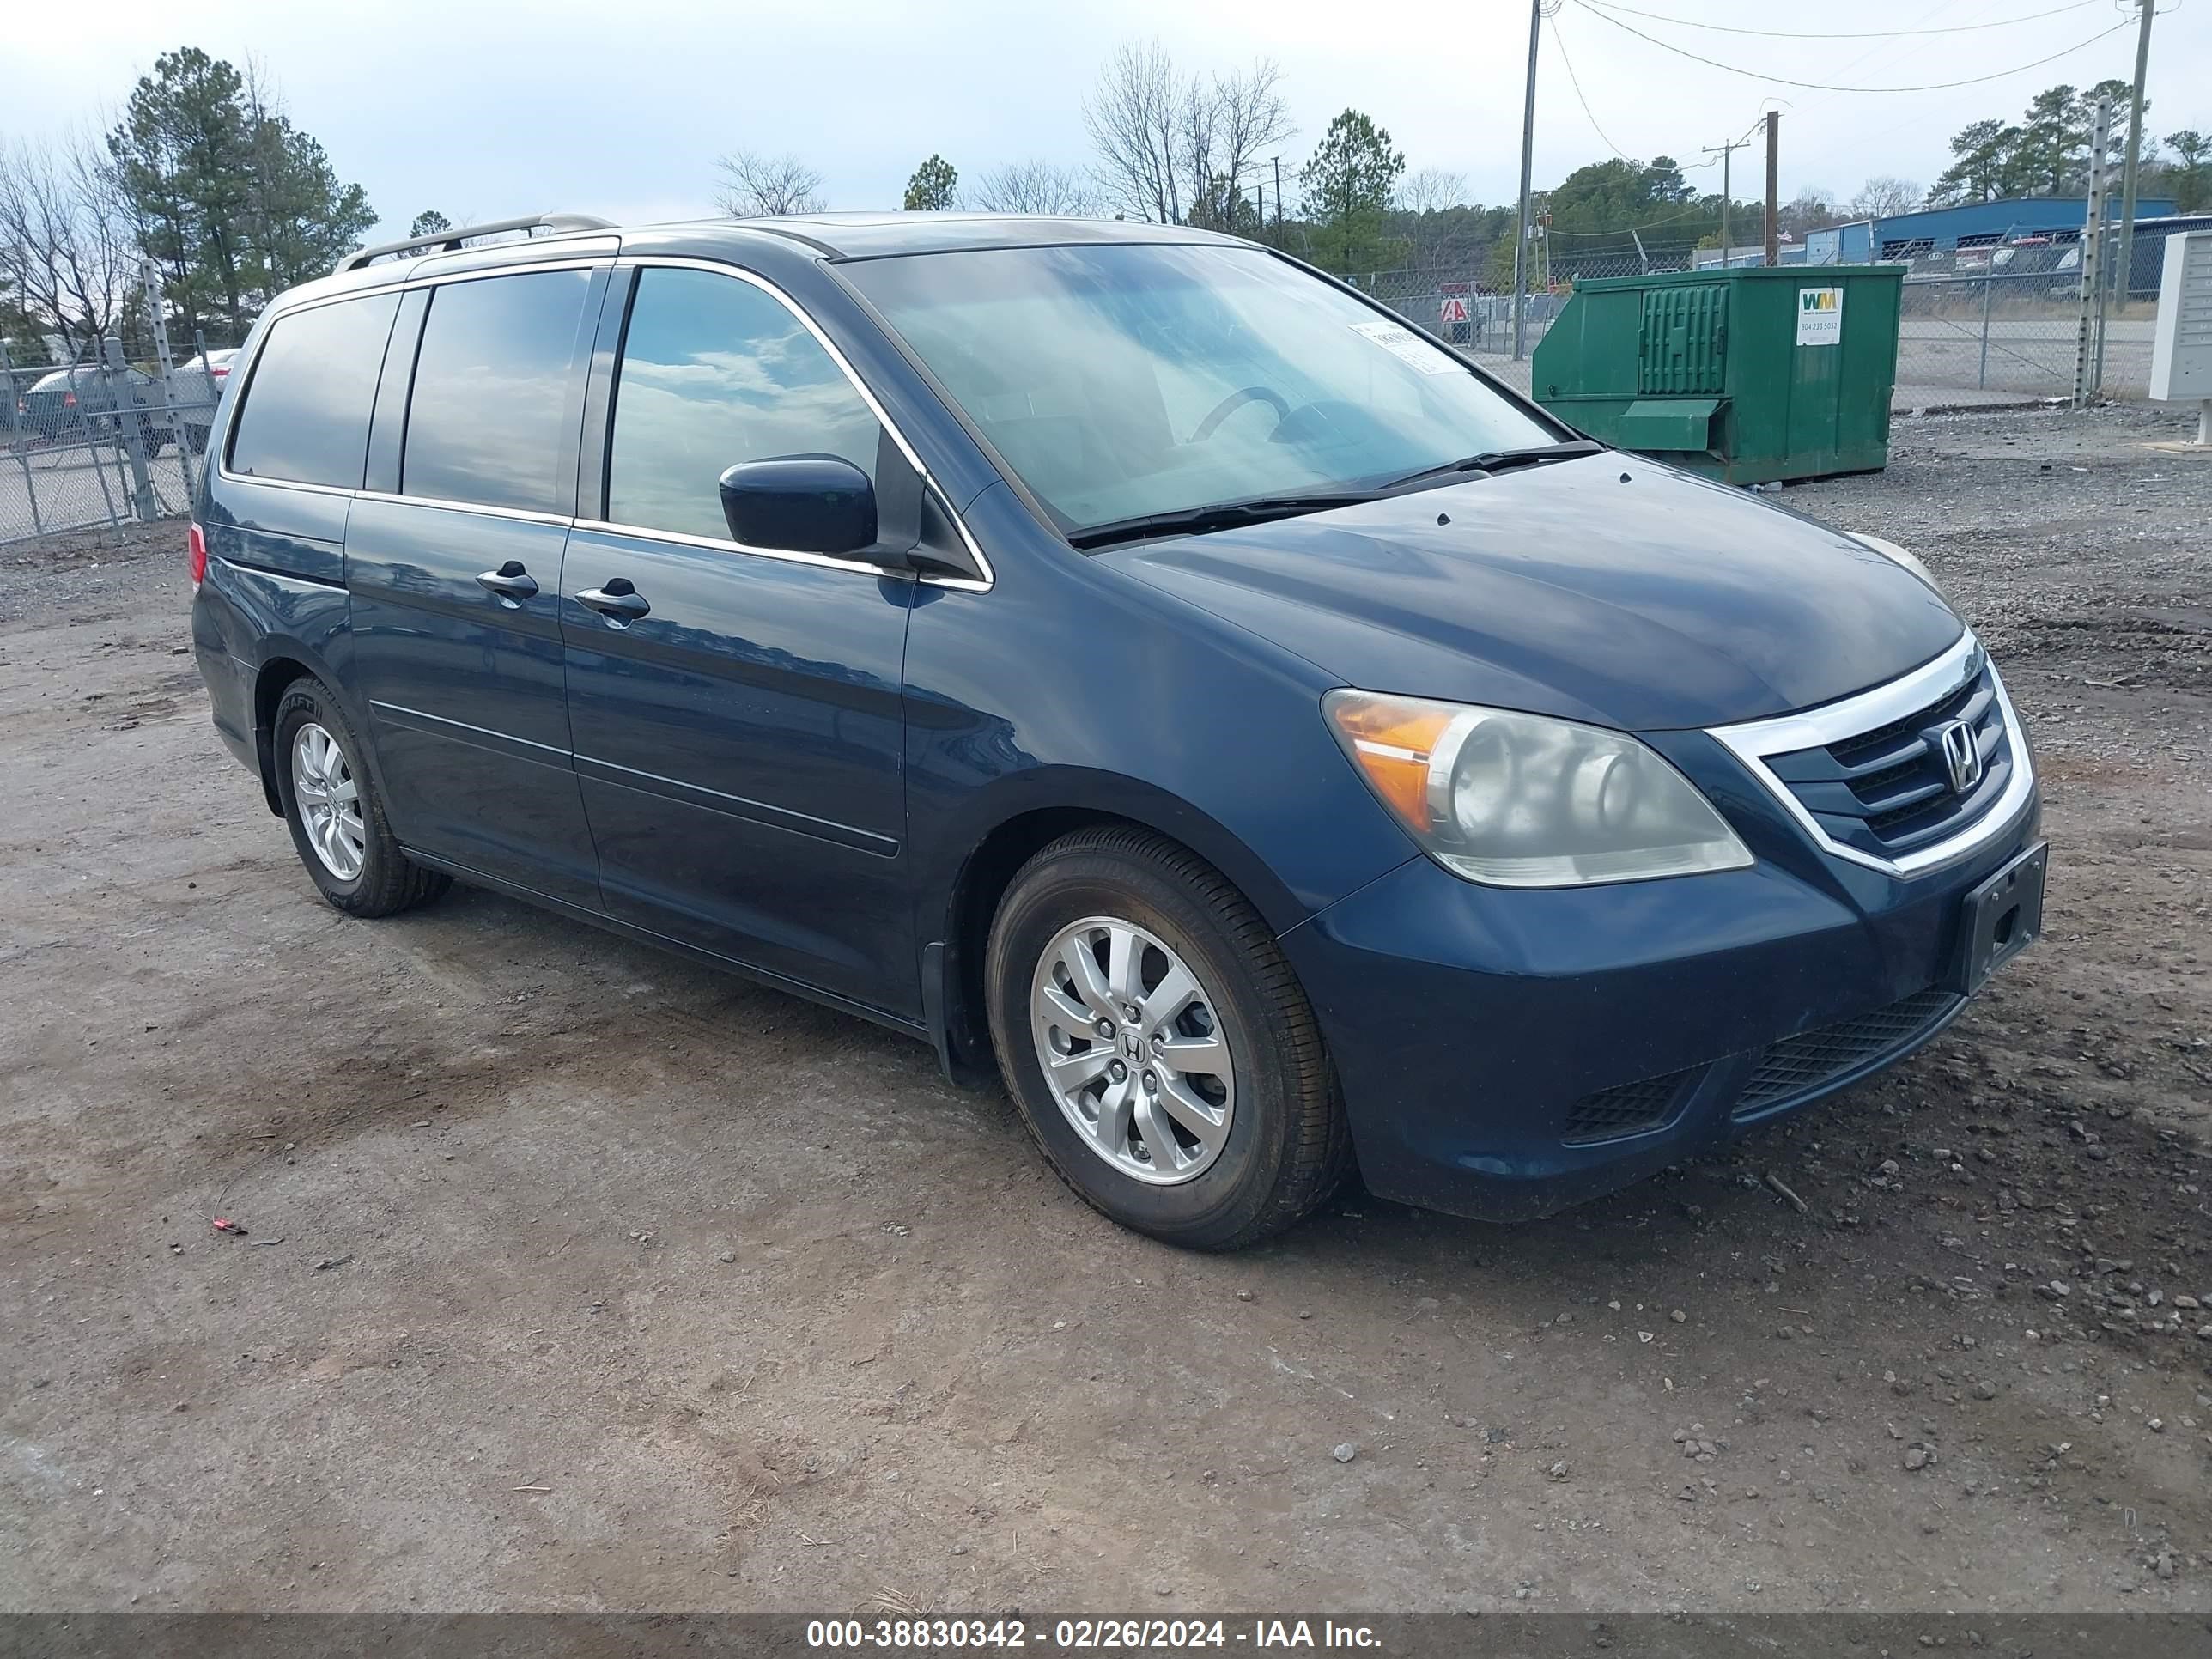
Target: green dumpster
[{"x": 1751, "y": 375}]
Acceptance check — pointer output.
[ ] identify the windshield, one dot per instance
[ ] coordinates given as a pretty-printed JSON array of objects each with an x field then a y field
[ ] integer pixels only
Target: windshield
[{"x": 1131, "y": 379}]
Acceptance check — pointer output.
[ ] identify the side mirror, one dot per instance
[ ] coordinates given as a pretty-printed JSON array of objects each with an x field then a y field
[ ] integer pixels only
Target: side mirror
[{"x": 800, "y": 504}]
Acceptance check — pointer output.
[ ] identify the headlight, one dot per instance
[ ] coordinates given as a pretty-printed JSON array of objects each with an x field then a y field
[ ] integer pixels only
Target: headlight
[
  {"x": 1892, "y": 551},
  {"x": 1518, "y": 800}
]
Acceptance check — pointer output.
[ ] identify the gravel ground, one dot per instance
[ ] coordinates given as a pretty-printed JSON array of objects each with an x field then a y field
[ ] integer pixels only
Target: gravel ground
[{"x": 577, "y": 1278}]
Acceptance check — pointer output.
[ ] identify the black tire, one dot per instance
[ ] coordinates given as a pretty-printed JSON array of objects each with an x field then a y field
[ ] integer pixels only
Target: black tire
[
  {"x": 387, "y": 882},
  {"x": 1288, "y": 1148}
]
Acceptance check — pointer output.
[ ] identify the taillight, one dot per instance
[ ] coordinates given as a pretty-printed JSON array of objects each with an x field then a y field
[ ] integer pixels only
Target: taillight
[
  {"x": 69, "y": 400},
  {"x": 198, "y": 541},
  {"x": 219, "y": 370}
]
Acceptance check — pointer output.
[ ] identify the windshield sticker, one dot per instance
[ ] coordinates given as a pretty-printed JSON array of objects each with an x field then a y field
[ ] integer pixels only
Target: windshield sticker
[{"x": 1408, "y": 347}]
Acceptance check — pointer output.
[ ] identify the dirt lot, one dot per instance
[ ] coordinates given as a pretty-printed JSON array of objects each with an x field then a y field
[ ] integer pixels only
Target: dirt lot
[{"x": 579, "y": 1278}]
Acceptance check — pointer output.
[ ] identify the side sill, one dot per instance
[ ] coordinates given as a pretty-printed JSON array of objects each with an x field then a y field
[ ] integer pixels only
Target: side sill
[{"x": 646, "y": 936}]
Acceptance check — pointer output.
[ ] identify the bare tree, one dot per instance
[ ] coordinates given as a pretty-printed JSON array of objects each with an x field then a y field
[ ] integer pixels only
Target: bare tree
[
  {"x": 66, "y": 249},
  {"x": 1812, "y": 209},
  {"x": 1884, "y": 198},
  {"x": 1174, "y": 148},
  {"x": 758, "y": 186},
  {"x": 1226, "y": 124},
  {"x": 1135, "y": 118},
  {"x": 1426, "y": 198},
  {"x": 1431, "y": 190},
  {"x": 1035, "y": 187}
]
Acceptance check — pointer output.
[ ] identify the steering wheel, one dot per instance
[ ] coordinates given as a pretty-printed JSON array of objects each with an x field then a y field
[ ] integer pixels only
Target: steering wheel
[{"x": 1237, "y": 400}]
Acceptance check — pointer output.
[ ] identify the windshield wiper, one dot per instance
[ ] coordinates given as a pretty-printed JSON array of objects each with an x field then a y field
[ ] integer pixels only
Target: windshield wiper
[
  {"x": 1229, "y": 515},
  {"x": 1498, "y": 460},
  {"x": 1219, "y": 515}
]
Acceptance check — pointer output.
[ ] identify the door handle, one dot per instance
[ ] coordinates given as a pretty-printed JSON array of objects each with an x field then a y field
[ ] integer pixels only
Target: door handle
[
  {"x": 510, "y": 584},
  {"x": 618, "y": 602}
]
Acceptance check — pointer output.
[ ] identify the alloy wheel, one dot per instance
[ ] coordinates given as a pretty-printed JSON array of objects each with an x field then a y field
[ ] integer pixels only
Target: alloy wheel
[
  {"x": 329, "y": 801},
  {"x": 1132, "y": 1050}
]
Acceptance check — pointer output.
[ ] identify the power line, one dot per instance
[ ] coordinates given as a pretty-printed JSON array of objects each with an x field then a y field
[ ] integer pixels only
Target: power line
[
  {"x": 1865, "y": 34},
  {"x": 1575, "y": 81},
  {"x": 1822, "y": 86}
]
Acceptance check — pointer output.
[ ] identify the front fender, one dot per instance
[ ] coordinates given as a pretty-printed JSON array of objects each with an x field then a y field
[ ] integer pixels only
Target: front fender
[
  {"x": 1049, "y": 791},
  {"x": 1072, "y": 685}
]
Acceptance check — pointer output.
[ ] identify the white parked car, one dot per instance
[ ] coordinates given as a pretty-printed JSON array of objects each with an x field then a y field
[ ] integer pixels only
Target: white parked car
[{"x": 195, "y": 390}]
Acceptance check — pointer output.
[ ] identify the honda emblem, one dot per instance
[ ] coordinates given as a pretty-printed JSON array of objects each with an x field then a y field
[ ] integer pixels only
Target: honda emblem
[{"x": 1961, "y": 753}]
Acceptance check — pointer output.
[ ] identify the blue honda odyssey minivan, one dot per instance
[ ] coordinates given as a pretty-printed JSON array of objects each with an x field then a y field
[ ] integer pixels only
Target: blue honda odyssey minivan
[{"x": 1127, "y": 659}]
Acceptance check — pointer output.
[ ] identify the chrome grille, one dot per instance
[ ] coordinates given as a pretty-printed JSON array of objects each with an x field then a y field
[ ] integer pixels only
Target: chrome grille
[
  {"x": 1887, "y": 791},
  {"x": 1867, "y": 777},
  {"x": 1798, "y": 1065}
]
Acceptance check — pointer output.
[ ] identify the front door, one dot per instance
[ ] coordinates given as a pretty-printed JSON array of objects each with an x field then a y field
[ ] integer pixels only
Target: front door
[
  {"x": 736, "y": 712},
  {"x": 453, "y": 564}
]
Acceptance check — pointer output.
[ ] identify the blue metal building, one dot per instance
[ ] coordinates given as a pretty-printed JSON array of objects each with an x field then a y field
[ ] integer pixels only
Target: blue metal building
[{"x": 1908, "y": 236}]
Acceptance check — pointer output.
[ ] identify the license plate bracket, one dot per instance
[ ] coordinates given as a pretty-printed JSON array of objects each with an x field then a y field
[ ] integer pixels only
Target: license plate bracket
[{"x": 2001, "y": 917}]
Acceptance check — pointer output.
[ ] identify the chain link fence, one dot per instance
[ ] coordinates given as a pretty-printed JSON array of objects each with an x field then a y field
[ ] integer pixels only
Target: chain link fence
[
  {"x": 2009, "y": 318},
  {"x": 1475, "y": 310},
  {"x": 99, "y": 440},
  {"x": 1992, "y": 319}
]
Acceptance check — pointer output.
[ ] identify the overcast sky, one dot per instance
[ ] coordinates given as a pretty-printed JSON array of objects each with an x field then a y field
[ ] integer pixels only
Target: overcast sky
[{"x": 488, "y": 110}]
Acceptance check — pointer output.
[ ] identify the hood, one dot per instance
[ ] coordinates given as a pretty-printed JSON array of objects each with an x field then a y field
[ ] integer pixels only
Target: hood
[{"x": 1607, "y": 589}]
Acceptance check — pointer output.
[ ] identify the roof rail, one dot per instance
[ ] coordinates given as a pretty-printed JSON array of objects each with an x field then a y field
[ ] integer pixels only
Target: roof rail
[{"x": 452, "y": 236}]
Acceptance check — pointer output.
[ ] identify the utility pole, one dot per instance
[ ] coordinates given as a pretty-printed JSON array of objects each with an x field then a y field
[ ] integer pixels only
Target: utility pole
[
  {"x": 1278, "y": 192},
  {"x": 1726, "y": 152},
  {"x": 2134, "y": 151},
  {"x": 1773, "y": 191},
  {"x": 2087, "y": 328},
  {"x": 1527, "y": 171}
]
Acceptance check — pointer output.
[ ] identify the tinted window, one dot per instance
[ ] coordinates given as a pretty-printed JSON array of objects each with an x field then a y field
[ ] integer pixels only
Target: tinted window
[
  {"x": 715, "y": 372},
  {"x": 306, "y": 413},
  {"x": 488, "y": 418}
]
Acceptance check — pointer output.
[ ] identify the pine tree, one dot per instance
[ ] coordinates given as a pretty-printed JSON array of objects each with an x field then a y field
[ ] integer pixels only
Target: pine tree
[
  {"x": 933, "y": 187},
  {"x": 231, "y": 200},
  {"x": 1347, "y": 188}
]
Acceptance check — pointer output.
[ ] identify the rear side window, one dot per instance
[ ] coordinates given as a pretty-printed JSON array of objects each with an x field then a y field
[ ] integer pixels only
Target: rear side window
[
  {"x": 489, "y": 420},
  {"x": 305, "y": 419},
  {"x": 714, "y": 372}
]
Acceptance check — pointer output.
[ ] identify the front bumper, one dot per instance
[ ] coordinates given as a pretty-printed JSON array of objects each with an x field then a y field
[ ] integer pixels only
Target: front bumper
[{"x": 1504, "y": 1054}]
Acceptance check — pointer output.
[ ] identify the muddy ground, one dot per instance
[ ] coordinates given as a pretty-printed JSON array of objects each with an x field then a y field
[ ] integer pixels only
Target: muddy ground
[{"x": 580, "y": 1278}]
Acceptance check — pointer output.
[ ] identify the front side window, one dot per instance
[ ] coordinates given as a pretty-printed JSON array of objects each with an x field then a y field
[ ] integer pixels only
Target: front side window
[
  {"x": 305, "y": 419},
  {"x": 1131, "y": 380},
  {"x": 715, "y": 371},
  {"x": 488, "y": 419}
]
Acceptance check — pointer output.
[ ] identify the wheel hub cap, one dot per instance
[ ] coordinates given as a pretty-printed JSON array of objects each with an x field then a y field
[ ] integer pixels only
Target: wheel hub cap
[
  {"x": 1133, "y": 1050},
  {"x": 329, "y": 801}
]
